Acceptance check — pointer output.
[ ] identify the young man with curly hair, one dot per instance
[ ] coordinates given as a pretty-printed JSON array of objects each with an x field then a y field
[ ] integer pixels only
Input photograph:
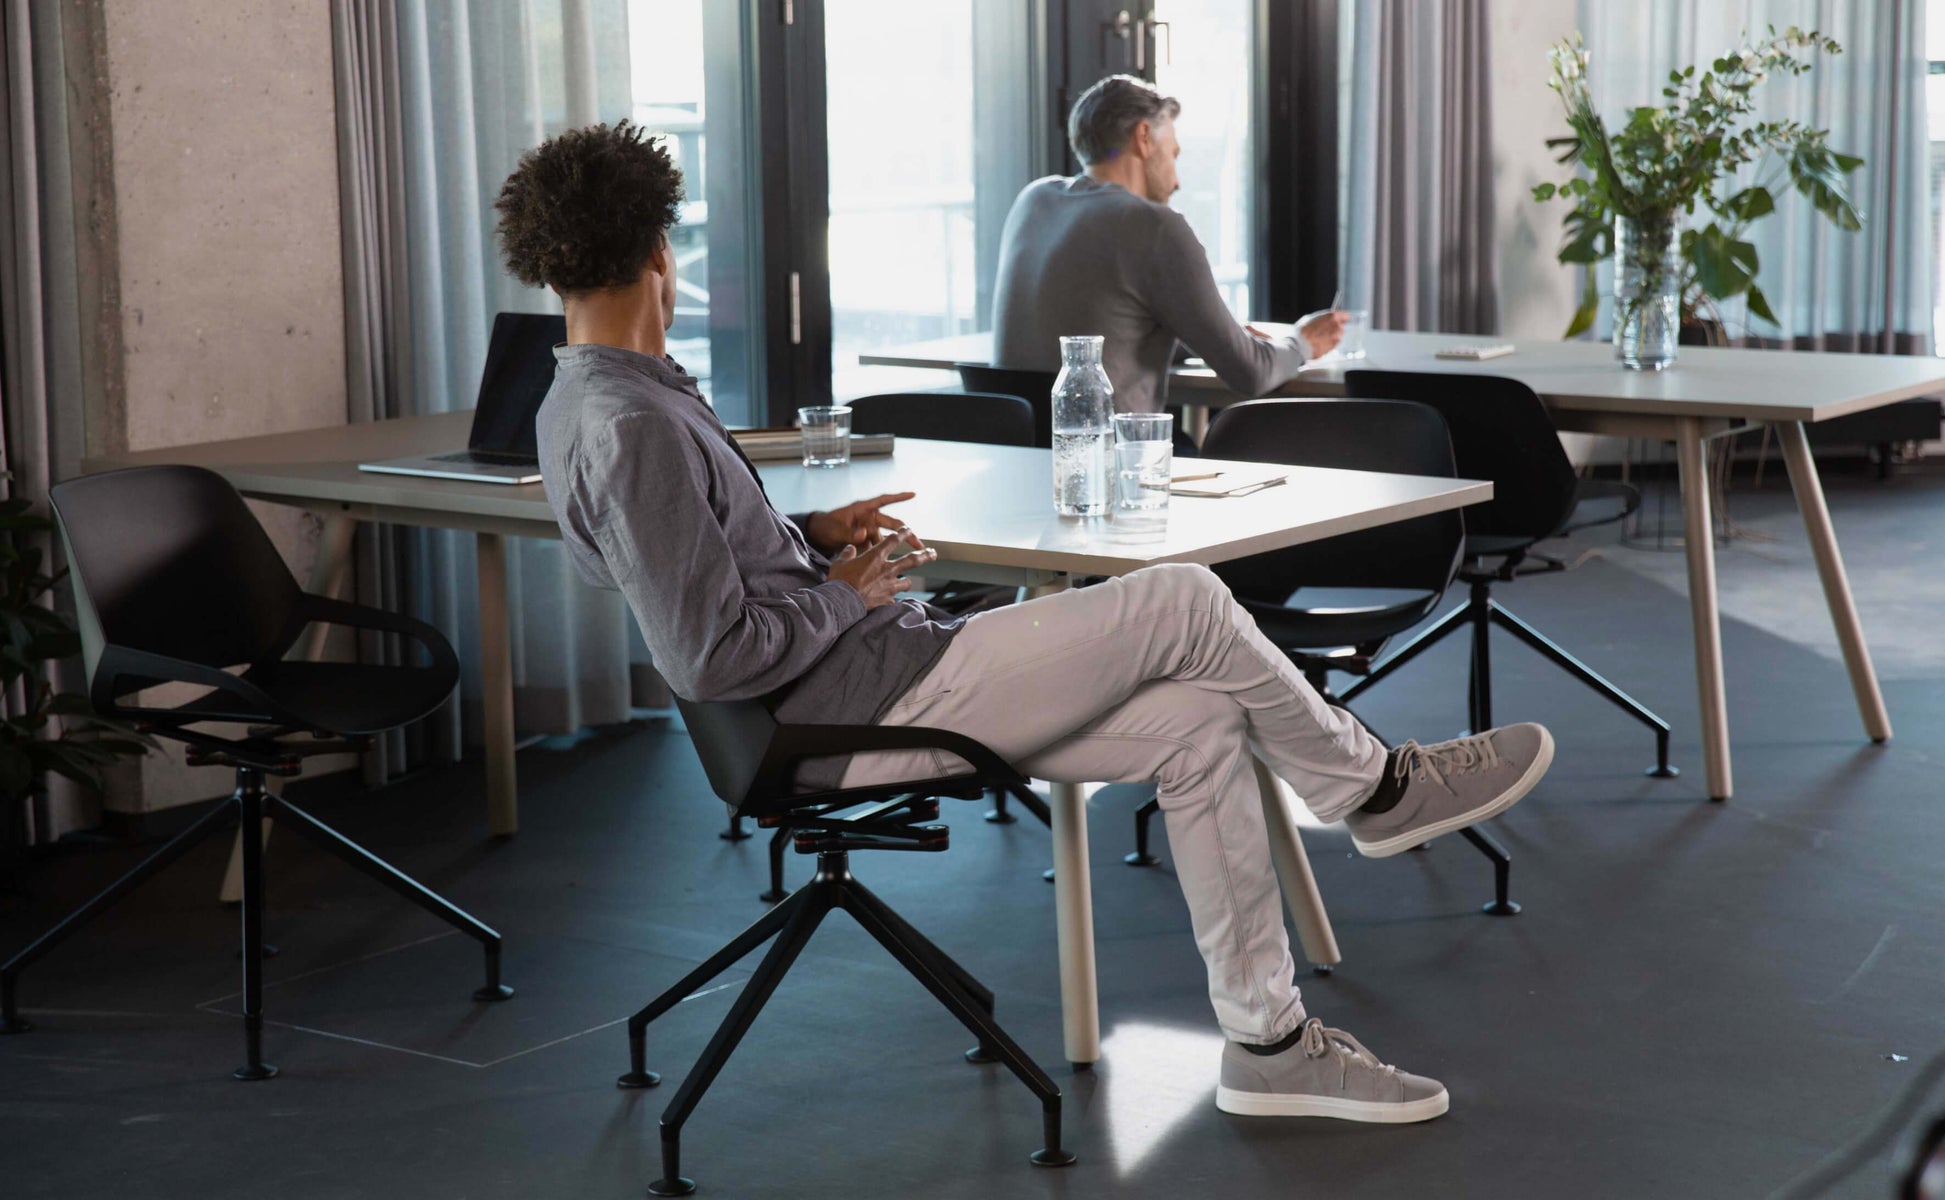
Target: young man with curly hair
[{"x": 1158, "y": 675}]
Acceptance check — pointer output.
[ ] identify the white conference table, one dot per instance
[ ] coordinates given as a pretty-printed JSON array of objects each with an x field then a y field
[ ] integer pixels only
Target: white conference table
[
  {"x": 1708, "y": 393},
  {"x": 987, "y": 510}
]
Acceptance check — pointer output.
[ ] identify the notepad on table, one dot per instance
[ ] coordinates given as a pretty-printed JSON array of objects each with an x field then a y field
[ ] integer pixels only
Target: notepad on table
[{"x": 1194, "y": 481}]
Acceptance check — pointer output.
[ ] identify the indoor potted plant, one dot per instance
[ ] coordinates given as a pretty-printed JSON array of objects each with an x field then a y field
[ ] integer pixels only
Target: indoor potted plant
[
  {"x": 42, "y": 731},
  {"x": 1635, "y": 189}
]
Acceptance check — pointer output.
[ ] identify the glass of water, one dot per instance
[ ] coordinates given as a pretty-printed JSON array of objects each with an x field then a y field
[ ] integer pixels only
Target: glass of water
[
  {"x": 1357, "y": 323},
  {"x": 827, "y": 434},
  {"x": 1144, "y": 454}
]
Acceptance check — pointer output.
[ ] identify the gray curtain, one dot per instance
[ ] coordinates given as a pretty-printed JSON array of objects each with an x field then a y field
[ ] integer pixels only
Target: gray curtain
[
  {"x": 1869, "y": 291},
  {"x": 40, "y": 386},
  {"x": 1419, "y": 247},
  {"x": 437, "y": 100}
]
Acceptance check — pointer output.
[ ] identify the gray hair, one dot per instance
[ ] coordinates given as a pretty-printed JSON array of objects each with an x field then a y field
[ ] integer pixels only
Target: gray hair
[{"x": 1105, "y": 116}]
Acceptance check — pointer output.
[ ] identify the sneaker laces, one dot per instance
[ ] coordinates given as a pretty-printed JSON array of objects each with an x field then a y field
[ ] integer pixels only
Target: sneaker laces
[
  {"x": 1457, "y": 757},
  {"x": 1319, "y": 1040}
]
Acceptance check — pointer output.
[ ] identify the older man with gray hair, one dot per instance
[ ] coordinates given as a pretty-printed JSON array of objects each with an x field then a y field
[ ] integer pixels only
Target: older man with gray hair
[{"x": 1104, "y": 253}]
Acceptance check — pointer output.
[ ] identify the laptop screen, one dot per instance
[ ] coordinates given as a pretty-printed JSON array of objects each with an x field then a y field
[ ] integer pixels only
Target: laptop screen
[{"x": 519, "y": 370}]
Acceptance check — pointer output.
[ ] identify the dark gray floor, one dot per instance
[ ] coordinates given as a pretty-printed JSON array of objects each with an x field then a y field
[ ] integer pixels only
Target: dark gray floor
[{"x": 1698, "y": 1000}]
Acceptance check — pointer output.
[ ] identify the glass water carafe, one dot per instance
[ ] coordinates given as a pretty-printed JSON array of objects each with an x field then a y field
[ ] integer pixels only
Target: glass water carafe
[{"x": 1083, "y": 427}]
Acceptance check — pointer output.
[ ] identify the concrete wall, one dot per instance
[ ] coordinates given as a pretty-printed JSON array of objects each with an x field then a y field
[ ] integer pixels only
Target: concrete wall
[{"x": 224, "y": 243}]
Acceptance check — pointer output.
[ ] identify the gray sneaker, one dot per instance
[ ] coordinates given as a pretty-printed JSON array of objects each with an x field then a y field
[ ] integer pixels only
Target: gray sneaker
[
  {"x": 1328, "y": 1073},
  {"x": 1452, "y": 785}
]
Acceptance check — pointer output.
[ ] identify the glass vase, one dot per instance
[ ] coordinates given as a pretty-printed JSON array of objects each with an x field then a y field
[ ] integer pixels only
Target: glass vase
[{"x": 1647, "y": 292}]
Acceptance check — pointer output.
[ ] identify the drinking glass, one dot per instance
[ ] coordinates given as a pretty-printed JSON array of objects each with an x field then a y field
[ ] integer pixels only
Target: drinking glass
[
  {"x": 827, "y": 434},
  {"x": 1357, "y": 322},
  {"x": 1144, "y": 455}
]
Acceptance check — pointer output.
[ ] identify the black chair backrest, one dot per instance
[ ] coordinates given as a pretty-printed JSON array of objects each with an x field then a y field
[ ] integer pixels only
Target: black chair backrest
[
  {"x": 1034, "y": 387},
  {"x": 733, "y": 740},
  {"x": 1500, "y": 432},
  {"x": 985, "y": 417},
  {"x": 1357, "y": 435},
  {"x": 169, "y": 560}
]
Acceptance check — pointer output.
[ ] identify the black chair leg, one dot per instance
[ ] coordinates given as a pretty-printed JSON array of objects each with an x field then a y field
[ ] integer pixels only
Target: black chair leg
[
  {"x": 778, "y": 840},
  {"x": 220, "y": 817},
  {"x": 941, "y": 962},
  {"x": 802, "y": 922},
  {"x": 1143, "y": 815},
  {"x": 1581, "y": 671},
  {"x": 998, "y": 815},
  {"x": 943, "y": 987},
  {"x": 762, "y": 930},
  {"x": 1446, "y": 625},
  {"x": 735, "y": 832},
  {"x": 1502, "y": 862},
  {"x": 1482, "y": 668},
  {"x": 326, "y": 838},
  {"x": 250, "y": 796}
]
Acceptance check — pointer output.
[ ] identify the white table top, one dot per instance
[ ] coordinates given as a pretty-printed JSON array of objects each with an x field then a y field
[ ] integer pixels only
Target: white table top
[
  {"x": 1759, "y": 385},
  {"x": 984, "y": 505}
]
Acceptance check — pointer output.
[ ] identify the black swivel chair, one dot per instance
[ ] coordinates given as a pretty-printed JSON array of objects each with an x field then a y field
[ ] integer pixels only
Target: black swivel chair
[
  {"x": 750, "y": 760},
  {"x": 1501, "y": 432},
  {"x": 989, "y": 418},
  {"x": 1034, "y": 387},
  {"x": 174, "y": 581},
  {"x": 1333, "y": 605}
]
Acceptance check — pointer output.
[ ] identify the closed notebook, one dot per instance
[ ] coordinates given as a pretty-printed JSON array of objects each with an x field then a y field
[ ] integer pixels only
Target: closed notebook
[{"x": 1241, "y": 481}]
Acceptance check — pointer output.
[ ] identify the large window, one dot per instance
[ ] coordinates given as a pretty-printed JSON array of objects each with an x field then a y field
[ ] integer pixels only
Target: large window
[{"x": 1203, "y": 54}]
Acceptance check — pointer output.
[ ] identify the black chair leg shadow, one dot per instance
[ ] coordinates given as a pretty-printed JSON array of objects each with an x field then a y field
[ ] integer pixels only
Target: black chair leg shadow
[
  {"x": 247, "y": 807},
  {"x": 792, "y": 923}
]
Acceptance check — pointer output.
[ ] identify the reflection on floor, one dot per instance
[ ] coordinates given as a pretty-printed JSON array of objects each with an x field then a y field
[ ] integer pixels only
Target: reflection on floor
[{"x": 1698, "y": 1000}]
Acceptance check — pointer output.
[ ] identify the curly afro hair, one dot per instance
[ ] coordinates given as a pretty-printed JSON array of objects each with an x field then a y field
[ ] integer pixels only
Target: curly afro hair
[{"x": 587, "y": 209}]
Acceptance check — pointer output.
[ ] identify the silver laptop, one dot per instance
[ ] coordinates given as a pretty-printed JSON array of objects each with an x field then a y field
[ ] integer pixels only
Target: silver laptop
[{"x": 501, "y": 449}]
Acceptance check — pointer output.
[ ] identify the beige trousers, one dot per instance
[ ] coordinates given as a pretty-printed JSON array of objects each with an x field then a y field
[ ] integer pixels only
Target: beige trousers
[{"x": 1157, "y": 676}]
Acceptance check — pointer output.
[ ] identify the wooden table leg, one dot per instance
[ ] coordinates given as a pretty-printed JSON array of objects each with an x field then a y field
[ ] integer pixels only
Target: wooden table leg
[
  {"x": 1080, "y": 1012},
  {"x": 1300, "y": 894},
  {"x": 496, "y": 683},
  {"x": 1698, "y": 533},
  {"x": 1836, "y": 585},
  {"x": 327, "y": 576}
]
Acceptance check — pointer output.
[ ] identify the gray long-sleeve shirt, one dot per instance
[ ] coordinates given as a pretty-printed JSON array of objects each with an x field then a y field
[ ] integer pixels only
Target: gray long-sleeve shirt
[
  {"x": 1082, "y": 257},
  {"x": 654, "y": 499}
]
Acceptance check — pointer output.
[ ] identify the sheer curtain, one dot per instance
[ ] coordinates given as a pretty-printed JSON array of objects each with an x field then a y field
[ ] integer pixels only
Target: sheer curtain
[
  {"x": 475, "y": 86},
  {"x": 1419, "y": 248},
  {"x": 1865, "y": 291}
]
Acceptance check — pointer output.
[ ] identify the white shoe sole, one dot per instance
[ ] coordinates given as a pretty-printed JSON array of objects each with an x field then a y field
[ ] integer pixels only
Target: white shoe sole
[
  {"x": 1404, "y": 840},
  {"x": 1377, "y": 1112}
]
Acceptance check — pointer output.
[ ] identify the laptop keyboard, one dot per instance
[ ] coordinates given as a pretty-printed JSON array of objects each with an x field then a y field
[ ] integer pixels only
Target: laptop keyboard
[{"x": 485, "y": 458}]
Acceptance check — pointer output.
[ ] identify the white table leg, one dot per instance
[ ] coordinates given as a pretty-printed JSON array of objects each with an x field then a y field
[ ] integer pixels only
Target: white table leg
[
  {"x": 1074, "y": 926},
  {"x": 1836, "y": 585},
  {"x": 496, "y": 682},
  {"x": 1698, "y": 532},
  {"x": 1300, "y": 894},
  {"x": 327, "y": 576}
]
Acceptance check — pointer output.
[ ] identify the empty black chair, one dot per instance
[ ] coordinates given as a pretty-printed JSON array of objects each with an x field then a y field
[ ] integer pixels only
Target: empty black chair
[
  {"x": 1501, "y": 432},
  {"x": 1334, "y": 604},
  {"x": 1034, "y": 387},
  {"x": 174, "y": 581},
  {"x": 750, "y": 760},
  {"x": 985, "y": 417}
]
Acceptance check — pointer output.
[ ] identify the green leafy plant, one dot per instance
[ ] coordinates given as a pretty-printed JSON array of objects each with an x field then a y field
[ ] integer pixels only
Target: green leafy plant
[
  {"x": 42, "y": 731},
  {"x": 1665, "y": 163}
]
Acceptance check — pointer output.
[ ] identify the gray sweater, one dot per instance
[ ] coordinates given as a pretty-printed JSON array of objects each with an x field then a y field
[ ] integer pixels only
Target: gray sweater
[
  {"x": 1080, "y": 257},
  {"x": 653, "y": 498}
]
